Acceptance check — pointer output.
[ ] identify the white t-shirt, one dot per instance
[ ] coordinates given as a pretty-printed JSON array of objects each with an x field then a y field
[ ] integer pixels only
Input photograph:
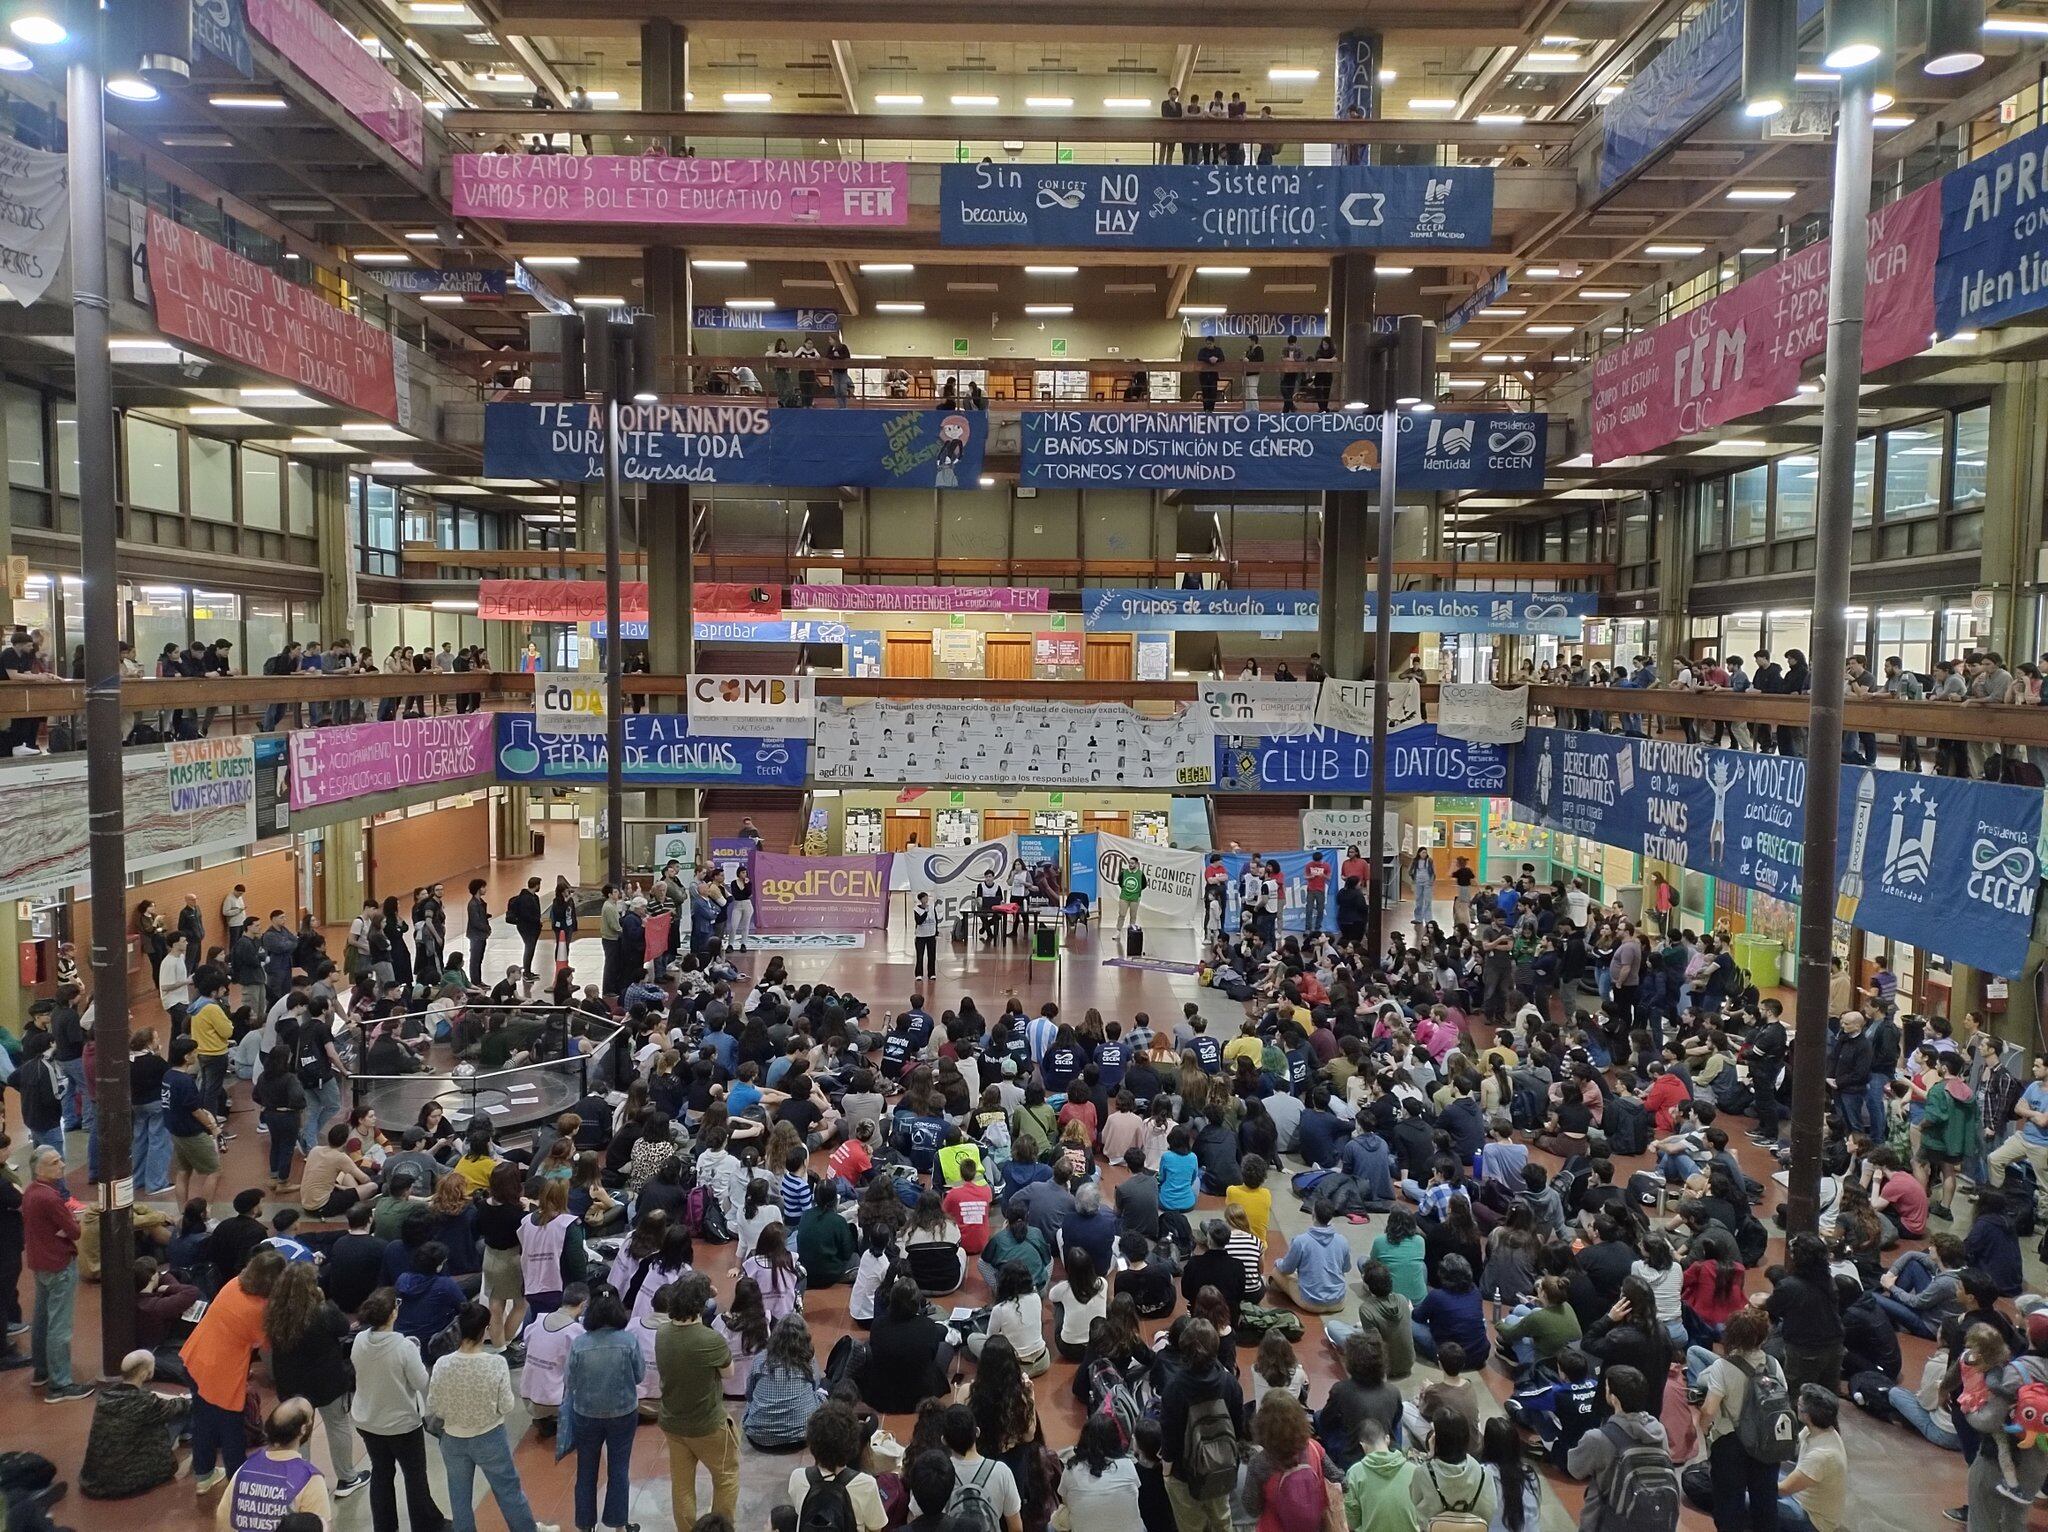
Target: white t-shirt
[
  {"x": 996, "y": 1481},
  {"x": 1075, "y": 1315},
  {"x": 1021, "y": 1322},
  {"x": 867, "y": 1282},
  {"x": 868, "y": 1513},
  {"x": 1667, "y": 1285}
]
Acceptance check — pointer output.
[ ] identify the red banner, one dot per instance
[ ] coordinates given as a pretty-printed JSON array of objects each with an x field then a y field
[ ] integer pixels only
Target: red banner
[
  {"x": 211, "y": 297},
  {"x": 583, "y": 600},
  {"x": 1742, "y": 352}
]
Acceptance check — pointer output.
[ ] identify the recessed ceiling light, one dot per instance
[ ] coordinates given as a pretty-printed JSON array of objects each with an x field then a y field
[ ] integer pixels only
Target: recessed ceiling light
[
  {"x": 1760, "y": 194},
  {"x": 1282, "y": 74},
  {"x": 1662, "y": 249},
  {"x": 1048, "y": 271},
  {"x": 1126, "y": 103},
  {"x": 899, "y": 308},
  {"x": 1223, "y": 271},
  {"x": 984, "y": 101},
  {"x": 886, "y": 268},
  {"x": 131, "y": 87},
  {"x": 711, "y": 265},
  {"x": 1462, "y": 345},
  {"x": 1048, "y": 310},
  {"x": 759, "y": 304},
  {"x": 39, "y": 31},
  {"x": 747, "y": 98},
  {"x": 1604, "y": 294},
  {"x": 1202, "y": 310},
  {"x": 1049, "y": 103},
  {"x": 247, "y": 103},
  {"x": 601, "y": 303},
  {"x": 895, "y": 99},
  {"x": 1551, "y": 329},
  {"x": 1432, "y": 104},
  {"x": 446, "y": 300},
  {"x": 551, "y": 260},
  {"x": 1502, "y": 313}
]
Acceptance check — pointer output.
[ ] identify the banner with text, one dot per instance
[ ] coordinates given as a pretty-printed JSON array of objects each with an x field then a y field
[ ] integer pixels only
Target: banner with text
[
  {"x": 1172, "y": 894},
  {"x": 1246, "y": 326},
  {"x": 1111, "y": 609},
  {"x": 950, "y": 875},
  {"x": 1742, "y": 351},
  {"x": 737, "y": 444},
  {"x": 1249, "y": 449},
  {"x": 570, "y": 702},
  {"x": 661, "y": 751},
  {"x": 206, "y": 294},
  {"x": 221, "y": 27},
  {"x": 755, "y": 707},
  {"x": 35, "y": 219},
  {"x": 1483, "y": 713},
  {"x": 1348, "y": 706},
  {"x": 717, "y": 317},
  {"x": 819, "y": 893},
  {"x": 355, "y": 760},
  {"x": 662, "y": 188},
  {"x": 210, "y": 773},
  {"x": 1345, "y": 828},
  {"x": 1211, "y": 207},
  {"x": 1257, "y": 707},
  {"x": 1419, "y": 760},
  {"x": 329, "y": 54},
  {"x": 1023, "y": 744},
  {"x": 919, "y": 598},
  {"x": 1946, "y": 863},
  {"x": 1994, "y": 238},
  {"x": 1525, "y": 613}
]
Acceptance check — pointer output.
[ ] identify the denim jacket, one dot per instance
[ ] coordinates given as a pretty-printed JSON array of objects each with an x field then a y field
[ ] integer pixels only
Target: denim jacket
[{"x": 605, "y": 1369}]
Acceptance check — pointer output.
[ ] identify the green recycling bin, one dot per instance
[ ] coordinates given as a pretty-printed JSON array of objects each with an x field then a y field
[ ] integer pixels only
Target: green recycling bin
[{"x": 1757, "y": 957}]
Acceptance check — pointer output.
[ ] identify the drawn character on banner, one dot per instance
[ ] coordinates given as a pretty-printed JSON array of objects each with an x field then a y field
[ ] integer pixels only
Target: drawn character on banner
[
  {"x": 953, "y": 433},
  {"x": 1546, "y": 772},
  {"x": 1721, "y": 776}
]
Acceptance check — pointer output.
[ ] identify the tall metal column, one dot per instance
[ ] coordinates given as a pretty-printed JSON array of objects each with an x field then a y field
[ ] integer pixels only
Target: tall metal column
[
  {"x": 1382, "y": 675},
  {"x": 99, "y": 528},
  {"x": 614, "y": 649},
  {"x": 1819, "y": 903},
  {"x": 1341, "y": 583}
]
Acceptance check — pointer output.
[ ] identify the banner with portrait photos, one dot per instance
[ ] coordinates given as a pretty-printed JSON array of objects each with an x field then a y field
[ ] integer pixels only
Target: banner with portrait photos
[{"x": 1025, "y": 744}]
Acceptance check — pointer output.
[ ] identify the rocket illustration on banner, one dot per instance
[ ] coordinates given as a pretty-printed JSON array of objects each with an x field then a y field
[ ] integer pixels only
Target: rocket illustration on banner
[{"x": 1850, "y": 894}]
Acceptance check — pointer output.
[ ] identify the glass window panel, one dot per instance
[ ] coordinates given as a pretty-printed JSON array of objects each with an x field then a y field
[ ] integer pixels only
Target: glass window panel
[
  {"x": 24, "y": 413},
  {"x": 1798, "y": 483},
  {"x": 1906, "y": 633},
  {"x": 1866, "y": 481},
  {"x": 217, "y": 614},
  {"x": 1742, "y": 633},
  {"x": 1912, "y": 472},
  {"x": 67, "y": 447},
  {"x": 1748, "y": 496},
  {"x": 1972, "y": 447},
  {"x": 152, "y": 465},
  {"x": 73, "y": 616},
  {"x": 1789, "y": 629},
  {"x": 213, "y": 479},
  {"x": 298, "y": 504},
  {"x": 466, "y": 525},
  {"x": 262, "y": 491},
  {"x": 268, "y": 622},
  {"x": 159, "y": 620},
  {"x": 306, "y": 621},
  {"x": 381, "y": 502},
  {"x": 1635, "y": 531},
  {"x": 1710, "y": 515}
]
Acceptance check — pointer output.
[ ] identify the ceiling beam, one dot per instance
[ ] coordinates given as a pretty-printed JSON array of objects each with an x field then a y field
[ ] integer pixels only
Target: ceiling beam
[
  {"x": 1178, "y": 277},
  {"x": 842, "y": 66},
  {"x": 842, "y": 278}
]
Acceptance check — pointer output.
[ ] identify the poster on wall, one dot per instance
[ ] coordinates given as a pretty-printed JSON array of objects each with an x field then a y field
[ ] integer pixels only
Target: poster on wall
[
  {"x": 1012, "y": 744},
  {"x": 1057, "y": 656},
  {"x": 1483, "y": 713},
  {"x": 957, "y": 653},
  {"x": 1946, "y": 863},
  {"x": 1257, "y": 707},
  {"x": 819, "y": 893},
  {"x": 863, "y": 652},
  {"x": 1154, "y": 660},
  {"x": 950, "y": 875},
  {"x": 1173, "y": 879},
  {"x": 569, "y": 702},
  {"x": 753, "y": 706},
  {"x": 1348, "y": 705}
]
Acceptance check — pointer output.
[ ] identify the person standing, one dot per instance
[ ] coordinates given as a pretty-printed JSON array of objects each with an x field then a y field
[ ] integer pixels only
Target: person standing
[
  {"x": 216, "y": 1355},
  {"x": 1170, "y": 110},
  {"x": 925, "y": 934},
  {"x": 50, "y": 1231},
  {"x": 1210, "y": 355},
  {"x": 214, "y": 1033},
  {"x": 694, "y": 1361},
  {"x": 174, "y": 982},
  {"x": 477, "y": 927},
  {"x": 610, "y": 917},
  {"x": 195, "y": 1150},
  {"x": 1130, "y": 889},
  {"x": 309, "y": 1360},
  {"x": 389, "y": 1413},
  {"x": 602, "y": 1389},
  {"x": 524, "y": 912},
  {"x": 280, "y": 1479},
  {"x": 471, "y": 1391},
  {"x": 739, "y": 908},
  {"x": 1201, "y": 1418}
]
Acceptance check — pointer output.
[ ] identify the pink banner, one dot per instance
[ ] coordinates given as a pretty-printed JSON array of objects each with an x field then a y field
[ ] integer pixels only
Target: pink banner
[
  {"x": 655, "y": 188},
  {"x": 819, "y": 893},
  {"x": 327, "y": 53},
  {"x": 354, "y": 760},
  {"x": 1742, "y": 352},
  {"x": 918, "y": 598}
]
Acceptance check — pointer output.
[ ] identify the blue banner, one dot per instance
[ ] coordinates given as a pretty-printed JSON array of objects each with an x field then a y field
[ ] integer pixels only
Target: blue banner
[
  {"x": 1217, "y": 207},
  {"x": 1244, "y": 326},
  {"x": 1294, "y": 886},
  {"x": 1484, "y": 296},
  {"x": 1419, "y": 760},
  {"x": 469, "y": 281},
  {"x": 742, "y": 630},
  {"x": 221, "y": 27},
  {"x": 721, "y": 318},
  {"x": 1295, "y": 450},
  {"x": 1993, "y": 264},
  {"x": 1946, "y": 863},
  {"x": 1357, "y": 82},
  {"x": 1526, "y": 613},
  {"x": 1032, "y": 849},
  {"x": 1082, "y": 878},
  {"x": 738, "y": 444},
  {"x": 660, "y": 751},
  {"x": 524, "y": 279}
]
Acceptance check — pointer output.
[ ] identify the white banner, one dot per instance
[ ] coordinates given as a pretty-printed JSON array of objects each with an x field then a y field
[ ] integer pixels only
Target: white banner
[
  {"x": 1347, "y": 705},
  {"x": 757, "y": 707},
  {"x": 950, "y": 874},
  {"x": 568, "y": 702},
  {"x": 1173, "y": 879},
  {"x": 1258, "y": 707},
  {"x": 35, "y": 219},
  {"x": 1340, "y": 829},
  {"x": 1021, "y": 744},
  {"x": 1483, "y": 714}
]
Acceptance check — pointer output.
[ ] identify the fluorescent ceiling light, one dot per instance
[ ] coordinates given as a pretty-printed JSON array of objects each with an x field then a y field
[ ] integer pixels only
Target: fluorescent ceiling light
[
  {"x": 747, "y": 98},
  {"x": 215, "y": 409},
  {"x": 1388, "y": 77},
  {"x": 274, "y": 395},
  {"x": 1663, "y": 249},
  {"x": 394, "y": 465},
  {"x": 1541, "y": 273},
  {"x": 886, "y": 268},
  {"x": 1555, "y": 59},
  {"x": 2016, "y": 26},
  {"x": 1551, "y": 329},
  {"x": 1758, "y": 250},
  {"x": 381, "y": 258},
  {"x": 1604, "y": 294},
  {"x": 1048, "y": 310},
  {"x": 539, "y": 261},
  {"x": 436, "y": 8},
  {"x": 373, "y": 428},
  {"x": 697, "y": 265},
  {"x": 899, "y": 308},
  {"x": 1760, "y": 194},
  {"x": 1202, "y": 310},
  {"x": 174, "y": 140},
  {"x": 1494, "y": 358},
  {"x": 984, "y": 101},
  {"x": 1500, "y": 119},
  {"x": 235, "y": 102},
  {"x": 601, "y": 303},
  {"x": 750, "y": 303},
  {"x": 898, "y": 99},
  {"x": 1046, "y": 271},
  {"x": 1049, "y": 103},
  {"x": 1501, "y": 313},
  {"x": 601, "y": 95},
  {"x": 453, "y": 604},
  {"x": 987, "y": 480},
  {"x": 1223, "y": 271},
  {"x": 422, "y": 237},
  {"x": 1292, "y": 76},
  {"x": 1394, "y": 271},
  {"x": 1890, "y": 122},
  {"x": 974, "y": 287},
  {"x": 445, "y": 300},
  {"x": 1432, "y": 104},
  {"x": 1126, "y": 103},
  {"x": 1462, "y": 345}
]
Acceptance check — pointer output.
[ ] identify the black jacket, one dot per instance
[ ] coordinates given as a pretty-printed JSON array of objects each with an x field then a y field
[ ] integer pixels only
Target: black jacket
[
  {"x": 523, "y": 910},
  {"x": 1185, "y": 1388},
  {"x": 316, "y": 1367}
]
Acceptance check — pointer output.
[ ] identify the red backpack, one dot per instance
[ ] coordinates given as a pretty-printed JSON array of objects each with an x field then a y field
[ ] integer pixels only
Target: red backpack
[{"x": 1298, "y": 1500}]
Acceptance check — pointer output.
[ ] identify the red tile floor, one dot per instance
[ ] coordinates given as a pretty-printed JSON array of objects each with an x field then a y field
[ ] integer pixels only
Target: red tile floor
[{"x": 1899, "y": 1483}]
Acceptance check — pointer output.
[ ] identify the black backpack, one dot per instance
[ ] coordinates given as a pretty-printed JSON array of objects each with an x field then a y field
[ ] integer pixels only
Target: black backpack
[
  {"x": 827, "y": 1507},
  {"x": 1767, "y": 1426}
]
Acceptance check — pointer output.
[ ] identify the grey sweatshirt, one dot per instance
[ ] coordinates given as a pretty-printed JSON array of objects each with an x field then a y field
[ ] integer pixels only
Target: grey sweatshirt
[{"x": 391, "y": 1383}]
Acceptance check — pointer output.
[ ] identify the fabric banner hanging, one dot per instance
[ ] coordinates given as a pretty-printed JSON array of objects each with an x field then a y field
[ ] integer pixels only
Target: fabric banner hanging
[
  {"x": 1348, "y": 705},
  {"x": 1258, "y": 707},
  {"x": 753, "y": 707},
  {"x": 1173, "y": 879},
  {"x": 820, "y": 893},
  {"x": 1024, "y": 744},
  {"x": 950, "y": 874},
  {"x": 35, "y": 219},
  {"x": 1483, "y": 714}
]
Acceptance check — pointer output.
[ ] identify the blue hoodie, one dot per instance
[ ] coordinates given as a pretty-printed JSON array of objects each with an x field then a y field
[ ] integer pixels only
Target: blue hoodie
[
  {"x": 1318, "y": 1260},
  {"x": 427, "y": 1305}
]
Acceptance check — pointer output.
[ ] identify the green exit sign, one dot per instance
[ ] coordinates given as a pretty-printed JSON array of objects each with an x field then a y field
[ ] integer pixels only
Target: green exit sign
[
  {"x": 1057, "y": 800},
  {"x": 956, "y": 798},
  {"x": 1059, "y": 348},
  {"x": 960, "y": 153},
  {"x": 1059, "y": 622},
  {"x": 956, "y": 619},
  {"x": 959, "y": 345},
  {"x": 1066, "y": 156}
]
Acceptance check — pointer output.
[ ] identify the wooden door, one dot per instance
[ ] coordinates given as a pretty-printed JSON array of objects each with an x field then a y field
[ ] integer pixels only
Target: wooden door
[
  {"x": 1006, "y": 656},
  {"x": 1109, "y": 824},
  {"x": 904, "y": 828},
  {"x": 1000, "y": 822},
  {"x": 907, "y": 654},
  {"x": 1109, "y": 657}
]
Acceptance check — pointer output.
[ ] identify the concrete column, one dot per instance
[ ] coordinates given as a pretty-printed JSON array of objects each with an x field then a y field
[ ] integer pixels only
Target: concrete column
[
  {"x": 1347, "y": 516},
  {"x": 665, "y": 69},
  {"x": 346, "y": 848},
  {"x": 335, "y": 543},
  {"x": 1674, "y": 578},
  {"x": 591, "y": 866},
  {"x": 2016, "y": 478},
  {"x": 667, "y": 513}
]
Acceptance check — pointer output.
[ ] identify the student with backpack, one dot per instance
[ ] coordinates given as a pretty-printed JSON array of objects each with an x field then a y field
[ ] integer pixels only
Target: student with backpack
[
  {"x": 984, "y": 1497},
  {"x": 1285, "y": 1486},
  {"x": 1201, "y": 1416},
  {"x": 1746, "y": 1420},
  {"x": 832, "y": 1494},
  {"x": 1631, "y": 1482},
  {"x": 1451, "y": 1489}
]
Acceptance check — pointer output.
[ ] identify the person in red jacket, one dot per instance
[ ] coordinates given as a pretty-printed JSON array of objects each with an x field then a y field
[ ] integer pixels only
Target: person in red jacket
[
  {"x": 50, "y": 1237},
  {"x": 1662, "y": 1100}
]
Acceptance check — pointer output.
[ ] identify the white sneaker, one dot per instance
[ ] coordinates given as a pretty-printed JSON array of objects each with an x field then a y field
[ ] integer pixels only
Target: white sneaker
[{"x": 26, "y": 750}]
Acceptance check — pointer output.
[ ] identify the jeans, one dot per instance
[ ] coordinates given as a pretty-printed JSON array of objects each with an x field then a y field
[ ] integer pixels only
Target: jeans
[
  {"x": 322, "y": 1103},
  {"x": 1792, "y": 1516},
  {"x": 49, "y": 1335},
  {"x": 47, "y": 1138},
  {"x": 476, "y": 958},
  {"x": 613, "y": 1436},
  {"x": 1855, "y": 1108},
  {"x": 1745, "y": 1490},
  {"x": 150, "y": 1152},
  {"x": 79, "y": 1109},
  {"x": 1677, "y": 1167},
  {"x": 718, "y": 1452},
  {"x": 1425, "y": 1343},
  {"x": 213, "y": 1084},
  {"x": 391, "y": 1456},
  {"x": 1314, "y": 916},
  {"x": 217, "y": 1436},
  {"x": 284, "y": 1138},
  {"x": 462, "y": 1457},
  {"x": 341, "y": 1437}
]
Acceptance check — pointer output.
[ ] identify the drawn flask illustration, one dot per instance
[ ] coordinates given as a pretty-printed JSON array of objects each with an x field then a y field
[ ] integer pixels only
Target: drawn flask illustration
[{"x": 1850, "y": 892}]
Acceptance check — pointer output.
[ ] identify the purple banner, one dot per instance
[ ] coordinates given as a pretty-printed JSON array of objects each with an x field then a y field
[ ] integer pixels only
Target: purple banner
[
  {"x": 795, "y": 894},
  {"x": 918, "y": 598},
  {"x": 327, "y": 53},
  {"x": 654, "y": 188},
  {"x": 353, "y": 760}
]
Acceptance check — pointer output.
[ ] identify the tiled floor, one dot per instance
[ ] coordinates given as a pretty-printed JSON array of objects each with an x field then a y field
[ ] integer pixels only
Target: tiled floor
[{"x": 1899, "y": 1483}]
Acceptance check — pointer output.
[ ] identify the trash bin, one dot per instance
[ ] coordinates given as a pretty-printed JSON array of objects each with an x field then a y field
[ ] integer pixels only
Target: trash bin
[{"x": 1757, "y": 957}]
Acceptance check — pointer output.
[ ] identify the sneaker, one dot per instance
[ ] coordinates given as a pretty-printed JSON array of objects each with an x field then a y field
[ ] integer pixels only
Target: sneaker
[
  {"x": 19, "y": 1327},
  {"x": 68, "y": 1392},
  {"x": 350, "y": 1485},
  {"x": 2015, "y": 1494},
  {"x": 210, "y": 1483},
  {"x": 1957, "y": 1513},
  {"x": 26, "y": 750},
  {"x": 38, "y": 1380},
  {"x": 1940, "y": 1210}
]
